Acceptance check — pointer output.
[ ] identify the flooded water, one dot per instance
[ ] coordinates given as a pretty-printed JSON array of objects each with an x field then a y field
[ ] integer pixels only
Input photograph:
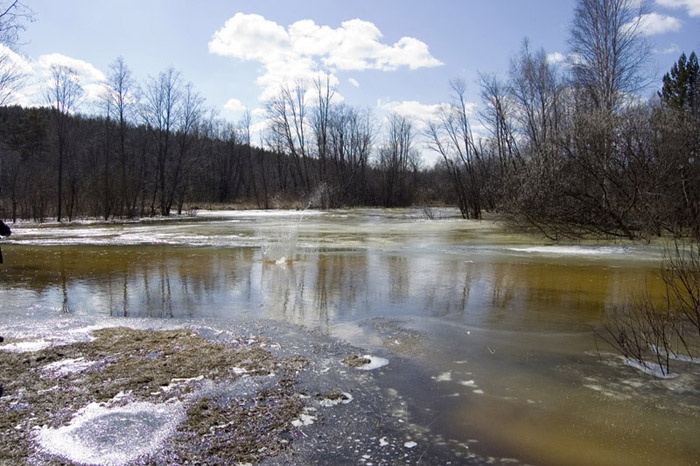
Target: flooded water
[{"x": 500, "y": 324}]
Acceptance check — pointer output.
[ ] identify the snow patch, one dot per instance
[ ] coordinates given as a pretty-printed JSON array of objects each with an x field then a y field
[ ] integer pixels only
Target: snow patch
[
  {"x": 26, "y": 346},
  {"x": 112, "y": 436},
  {"x": 67, "y": 366}
]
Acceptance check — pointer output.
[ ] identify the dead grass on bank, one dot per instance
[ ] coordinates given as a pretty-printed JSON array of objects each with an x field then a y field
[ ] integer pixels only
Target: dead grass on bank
[{"x": 154, "y": 366}]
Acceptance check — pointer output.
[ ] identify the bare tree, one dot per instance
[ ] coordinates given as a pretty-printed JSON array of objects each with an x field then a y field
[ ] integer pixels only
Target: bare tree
[
  {"x": 187, "y": 155},
  {"x": 397, "y": 159},
  {"x": 536, "y": 89},
  {"x": 450, "y": 135},
  {"x": 609, "y": 50},
  {"x": 63, "y": 97},
  {"x": 288, "y": 123},
  {"x": 119, "y": 100},
  {"x": 13, "y": 16},
  {"x": 161, "y": 112},
  {"x": 320, "y": 123},
  {"x": 350, "y": 140}
]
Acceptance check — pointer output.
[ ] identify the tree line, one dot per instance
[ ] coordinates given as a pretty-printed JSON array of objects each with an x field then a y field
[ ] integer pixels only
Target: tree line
[
  {"x": 564, "y": 149},
  {"x": 572, "y": 149}
]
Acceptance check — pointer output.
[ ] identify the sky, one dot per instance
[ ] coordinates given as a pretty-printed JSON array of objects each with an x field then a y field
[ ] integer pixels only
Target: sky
[{"x": 387, "y": 55}]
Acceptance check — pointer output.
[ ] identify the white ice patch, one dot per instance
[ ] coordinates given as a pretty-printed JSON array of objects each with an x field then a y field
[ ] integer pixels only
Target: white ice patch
[
  {"x": 375, "y": 362},
  {"x": 410, "y": 444},
  {"x": 444, "y": 377},
  {"x": 305, "y": 419},
  {"x": 650, "y": 369},
  {"x": 26, "y": 346},
  {"x": 99, "y": 435},
  {"x": 330, "y": 402},
  {"x": 67, "y": 366},
  {"x": 571, "y": 250},
  {"x": 469, "y": 383}
]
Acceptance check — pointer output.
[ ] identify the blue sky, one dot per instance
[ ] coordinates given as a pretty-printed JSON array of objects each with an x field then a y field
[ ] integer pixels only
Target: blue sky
[{"x": 385, "y": 54}]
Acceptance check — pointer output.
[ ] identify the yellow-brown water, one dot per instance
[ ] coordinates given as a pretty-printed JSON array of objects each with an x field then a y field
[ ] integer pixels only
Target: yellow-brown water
[{"x": 501, "y": 324}]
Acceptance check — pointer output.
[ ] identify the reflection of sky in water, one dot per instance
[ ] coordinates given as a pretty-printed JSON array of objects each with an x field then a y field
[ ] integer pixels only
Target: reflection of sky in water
[{"x": 508, "y": 317}]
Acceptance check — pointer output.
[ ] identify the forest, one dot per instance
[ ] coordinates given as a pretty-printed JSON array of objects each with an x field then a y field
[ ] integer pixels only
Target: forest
[{"x": 565, "y": 150}]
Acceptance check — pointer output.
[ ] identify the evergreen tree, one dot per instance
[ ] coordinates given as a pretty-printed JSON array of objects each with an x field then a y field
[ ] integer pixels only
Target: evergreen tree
[{"x": 681, "y": 86}]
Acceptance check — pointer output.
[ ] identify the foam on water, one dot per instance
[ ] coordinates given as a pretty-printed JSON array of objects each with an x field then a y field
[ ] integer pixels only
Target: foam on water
[{"x": 112, "y": 436}]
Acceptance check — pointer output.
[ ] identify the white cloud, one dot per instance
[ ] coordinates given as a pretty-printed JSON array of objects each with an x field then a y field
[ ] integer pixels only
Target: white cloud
[
  {"x": 85, "y": 71},
  {"x": 692, "y": 6},
  {"x": 672, "y": 49},
  {"x": 654, "y": 23},
  {"x": 14, "y": 70},
  {"x": 87, "y": 75},
  {"x": 354, "y": 82},
  {"x": 17, "y": 61},
  {"x": 234, "y": 105},
  {"x": 38, "y": 80},
  {"x": 305, "y": 48},
  {"x": 417, "y": 112},
  {"x": 555, "y": 57}
]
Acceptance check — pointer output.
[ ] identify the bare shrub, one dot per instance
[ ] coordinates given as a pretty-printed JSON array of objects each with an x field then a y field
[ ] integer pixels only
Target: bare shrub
[{"x": 652, "y": 334}]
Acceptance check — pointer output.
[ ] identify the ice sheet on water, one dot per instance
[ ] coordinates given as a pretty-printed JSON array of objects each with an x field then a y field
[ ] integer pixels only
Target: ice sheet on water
[
  {"x": 650, "y": 369},
  {"x": 256, "y": 213},
  {"x": 572, "y": 250},
  {"x": 112, "y": 436}
]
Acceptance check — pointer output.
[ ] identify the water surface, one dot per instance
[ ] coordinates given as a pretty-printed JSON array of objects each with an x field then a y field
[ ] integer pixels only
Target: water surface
[{"x": 501, "y": 323}]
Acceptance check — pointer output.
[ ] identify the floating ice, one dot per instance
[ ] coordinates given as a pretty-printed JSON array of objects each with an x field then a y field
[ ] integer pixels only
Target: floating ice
[
  {"x": 344, "y": 398},
  {"x": 650, "y": 369},
  {"x": 375, "y": 362},
  {"x": 410, "y": 444},
  {"x": 305, "y": 419},
  {"x": 444, "y": 377},
  {"x": 113, "y": 436},
  {"x": 572, "y": 250}
]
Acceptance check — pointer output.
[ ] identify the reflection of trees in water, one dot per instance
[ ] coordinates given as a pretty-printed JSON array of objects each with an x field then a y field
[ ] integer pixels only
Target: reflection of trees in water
[
  {"x": 282, "y": 295},
  {"x": 399, "y": 278},
  {"x": 318, "y": 288}
]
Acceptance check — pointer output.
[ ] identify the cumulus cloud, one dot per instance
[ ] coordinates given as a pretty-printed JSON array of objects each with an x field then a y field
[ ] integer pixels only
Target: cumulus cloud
[
  {"x": 14, "y": 70},
  {"x": 691, "y": 6},
  {"x": 655, "y": 23},
  {"x": 555, "y": 57},
  {"x": 87, "y": 75},
  {"x": 305, "y": 48},
  {"x": 234, "y": 105},
  {"x": 418, "y": 113}
]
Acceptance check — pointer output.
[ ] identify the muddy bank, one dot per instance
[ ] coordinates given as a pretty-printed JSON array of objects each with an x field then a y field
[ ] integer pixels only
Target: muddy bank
[{"x": 259, "y": 393}]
